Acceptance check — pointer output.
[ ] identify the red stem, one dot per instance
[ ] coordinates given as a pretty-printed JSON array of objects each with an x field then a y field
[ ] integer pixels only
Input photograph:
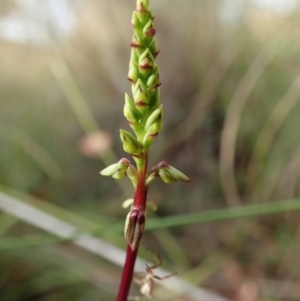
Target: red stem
[
  {"x": 127, "y": 274},
  {"x": 139, "y": 201}
]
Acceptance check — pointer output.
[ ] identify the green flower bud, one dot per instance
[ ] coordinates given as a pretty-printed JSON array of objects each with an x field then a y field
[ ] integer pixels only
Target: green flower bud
[
  {"x": 153, "y": 48},
  {"x": 135, "y": 21},
  {"x": 137, "y": 49},
  {"x": 140, "y": 96},
  {"x": 155, "y": 128},
  {"x": 154, "y": 100},
  {"x": 138, "y": 85},
  {"x": 146, "y": 63},
  {"x": 143, "y": 3},
  {"x": 169, "y": 174},
  {"x": 142, "y": 11},
  {"x": 132, "y": 174},
  {"x": 154, "y": 118},
  {"x": 149, "y": 30},
  {"x": 130, "y": 112},
  {"x": 148, "y": 140},
  {"x": 110, "y": 170},
  {"x": 152, "y": 127},
  {"x": 133, "y": 73},
  {"x": 117, "y": 170},
  {"x": 152, "y": 175},
  {"x": 130, "y": 144},
  {"x": 153, "y": 80},
  {"x": 127, "y": 203}
]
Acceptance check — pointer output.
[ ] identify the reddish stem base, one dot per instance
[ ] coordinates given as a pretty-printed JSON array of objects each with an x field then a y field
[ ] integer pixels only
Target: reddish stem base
[{"x": 127, "y": 274}]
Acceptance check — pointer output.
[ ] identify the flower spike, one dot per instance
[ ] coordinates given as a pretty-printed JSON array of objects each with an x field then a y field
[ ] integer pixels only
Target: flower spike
[{"x": 144, "y": 113}]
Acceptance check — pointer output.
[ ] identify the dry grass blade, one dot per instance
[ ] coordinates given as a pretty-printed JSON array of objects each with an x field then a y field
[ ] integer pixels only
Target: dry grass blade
[{"x": 233, "y": 119}]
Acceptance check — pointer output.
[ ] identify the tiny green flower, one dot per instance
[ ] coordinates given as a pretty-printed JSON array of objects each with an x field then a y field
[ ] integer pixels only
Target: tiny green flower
[
  {"x": 154, "y": 118},
  {"x": 130, "y": 112},
  {"x": 117, "y": 170},
  {"x": 131, "y": 172},
  {"x": 133, "y": 73},
  {"x": 153, "y": 80},
  {"x": 130, "y": 144},
  {"x": 149, "y": 30},
  {"x": 152, "y": 175},
  {"x": 146, "y": 63},
  {"x": 152, "y": 127},
  {"x": 127, "y": 203},
  {"x": 170, "y": 174},
  {"x": 140, "y": 96}
]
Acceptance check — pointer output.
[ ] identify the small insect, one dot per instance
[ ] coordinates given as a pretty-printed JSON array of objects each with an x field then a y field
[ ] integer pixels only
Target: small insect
[{"x": 147, "y": 282}]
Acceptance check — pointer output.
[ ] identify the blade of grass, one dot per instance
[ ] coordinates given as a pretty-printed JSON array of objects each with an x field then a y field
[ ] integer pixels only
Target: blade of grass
[
  {"x": 246, "y": 211},
  {"x": 33, "y": 149},
  {"x": 268, "y": 133},
  {"x": 27, "y": 241},
  {"x": 207, "y": 267},
  {"x": 234, "y": 115},
  {"x": 6, "y": 222},
  {"x": 225, "y": 214}
]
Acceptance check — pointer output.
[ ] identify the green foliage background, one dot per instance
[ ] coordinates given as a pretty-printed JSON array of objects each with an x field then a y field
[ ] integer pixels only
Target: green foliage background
[{"x": 230, "y": 90}]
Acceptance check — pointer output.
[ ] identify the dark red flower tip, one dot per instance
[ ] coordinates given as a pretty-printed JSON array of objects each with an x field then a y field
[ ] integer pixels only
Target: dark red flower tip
[
  {"x": 146, "y": 66},
  {"x": 141, "y": 103},
  {"x": 135, "y": 45},
  {"x": 155, "y": 86},
  {"x": 153, "y": 135},
  {"x": 151, "y": 32},
  {"x": 156, "y": 53},
  {"x": 163, "y": 164},
  {"x": 131, "y": 80}
]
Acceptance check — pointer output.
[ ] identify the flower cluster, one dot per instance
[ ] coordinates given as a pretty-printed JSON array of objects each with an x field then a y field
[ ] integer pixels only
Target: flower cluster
[{"x": 144, "y": 113}]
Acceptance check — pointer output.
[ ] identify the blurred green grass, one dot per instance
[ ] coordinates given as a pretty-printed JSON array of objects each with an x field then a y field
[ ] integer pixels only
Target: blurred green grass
[{"x": 230, "y": 92}]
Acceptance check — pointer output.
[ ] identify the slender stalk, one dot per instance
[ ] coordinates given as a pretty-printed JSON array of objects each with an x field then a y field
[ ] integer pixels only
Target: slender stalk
[
  {"x": 139, "y": 202},
  {"x": 140, "y": 195},
  {"x": 127, "y": 274}
]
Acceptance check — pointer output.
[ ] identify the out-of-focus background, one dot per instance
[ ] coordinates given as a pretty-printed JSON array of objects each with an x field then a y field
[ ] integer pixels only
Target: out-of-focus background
[{"x": 230, "y": 89}]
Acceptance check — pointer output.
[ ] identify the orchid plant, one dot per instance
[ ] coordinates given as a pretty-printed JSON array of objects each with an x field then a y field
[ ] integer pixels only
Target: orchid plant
[{"x": 143, "y": 111}]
